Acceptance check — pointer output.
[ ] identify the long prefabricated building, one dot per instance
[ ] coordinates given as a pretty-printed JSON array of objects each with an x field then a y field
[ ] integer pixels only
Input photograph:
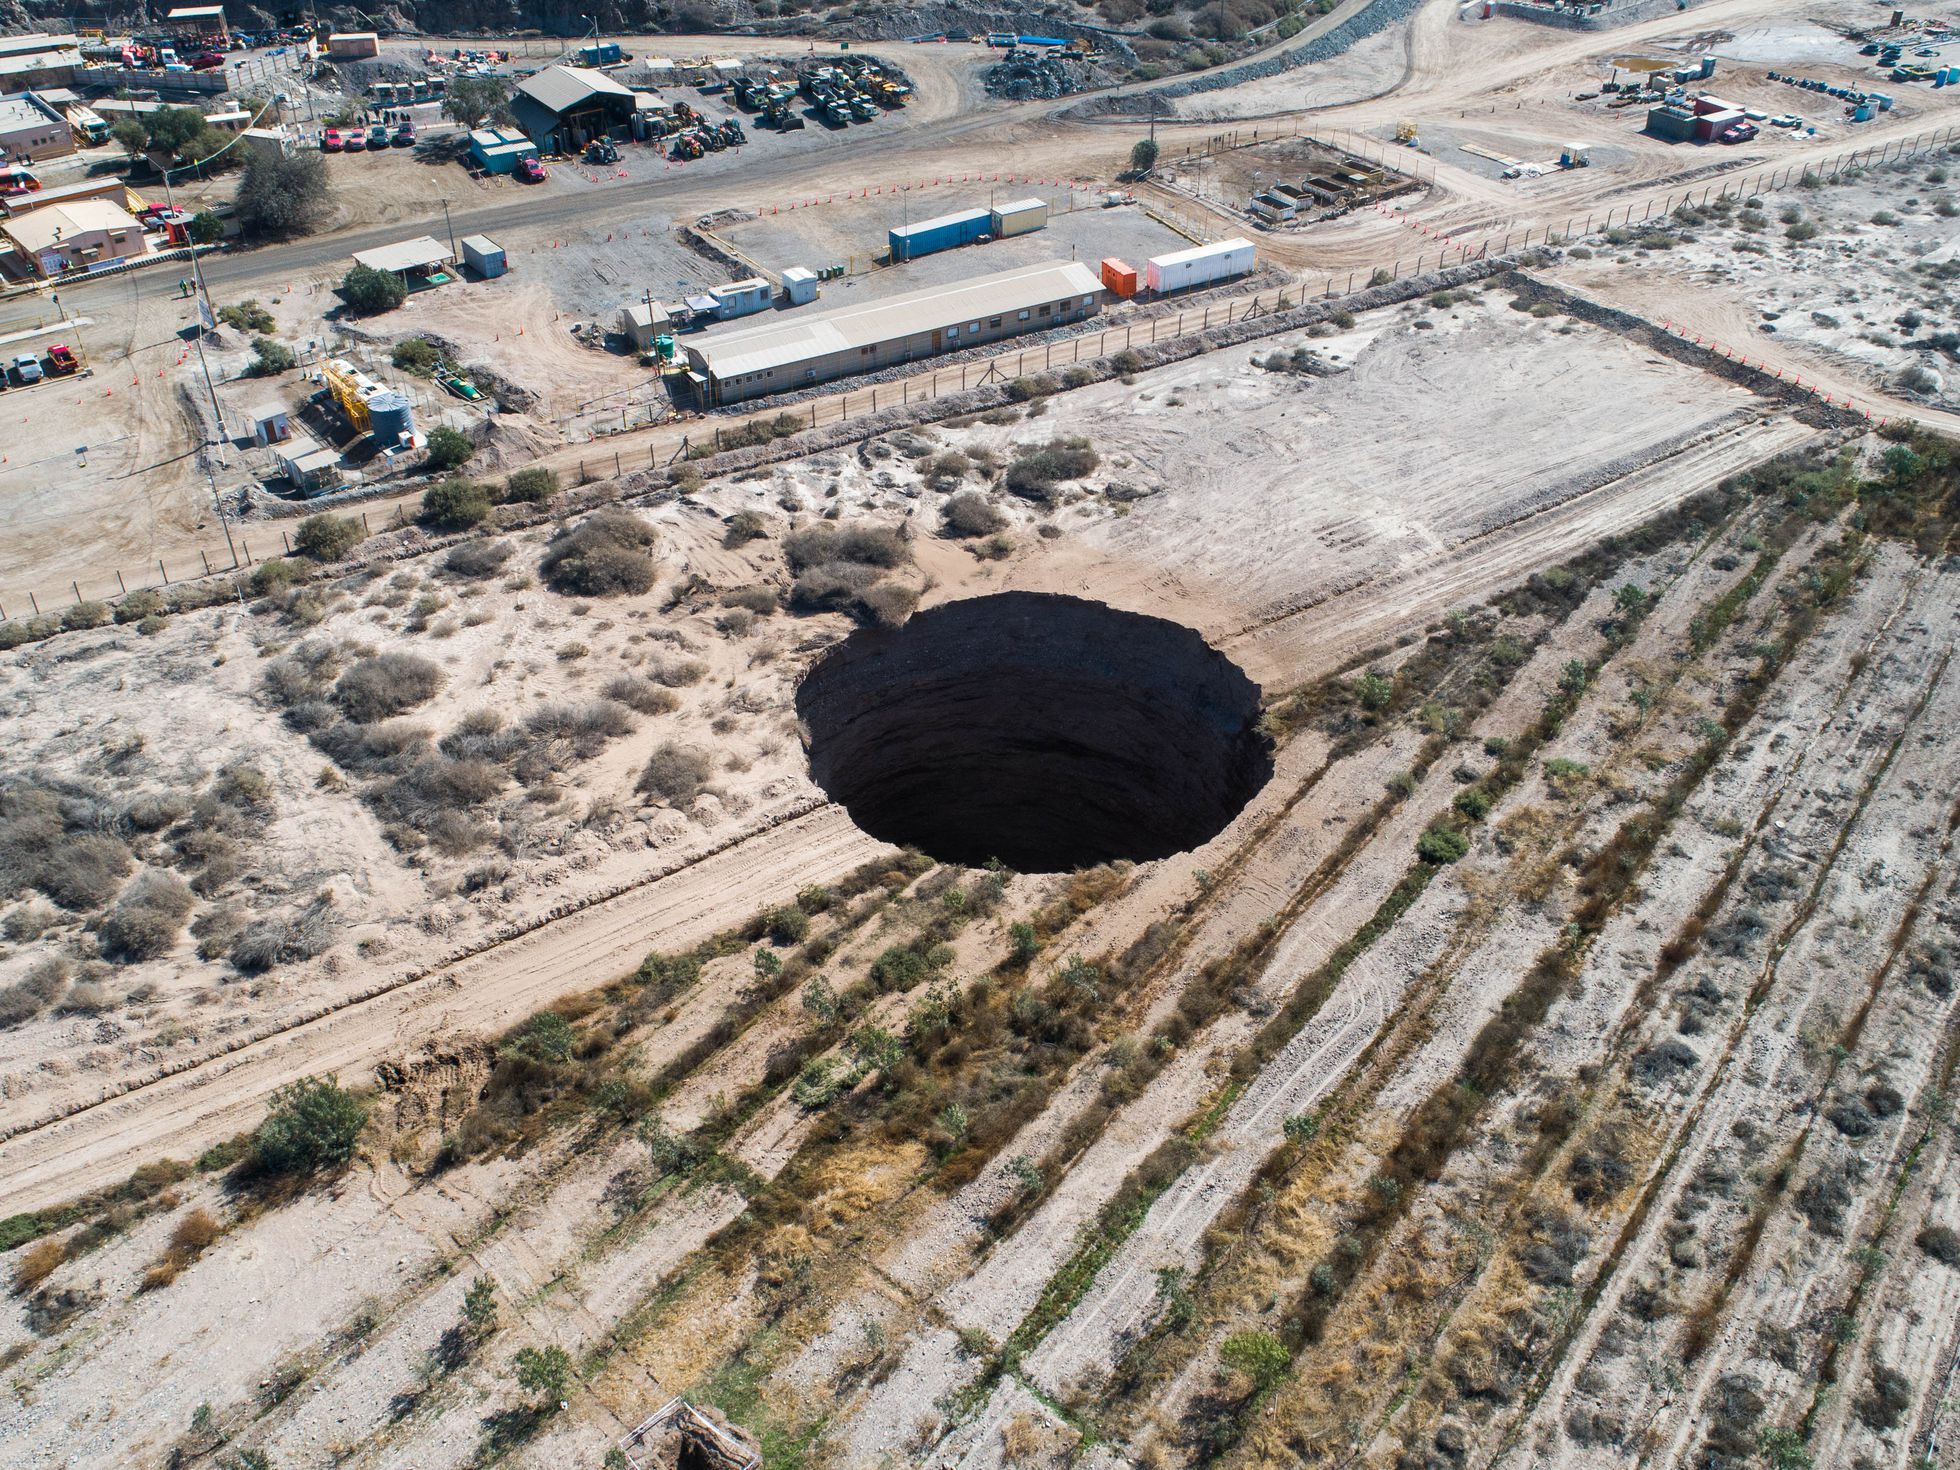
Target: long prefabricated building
[
  {"x": 1199, "y": 266},
  {"x": 815, "y": 347},
  {"x": 948, "y": 231}
]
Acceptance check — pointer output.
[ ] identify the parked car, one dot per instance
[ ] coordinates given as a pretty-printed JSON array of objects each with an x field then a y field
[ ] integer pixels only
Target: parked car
[
  {"x": 377, "y": 139},
  {"x": 330, "y": 141},
  {"x": 355, "y": 141},
  {"x": 17, "y": 180},
  {"x": 405, "y": 135},
  {"x": 1786, "y": 120},
  {"x": 62, "y": 360},
  {"x": 529, "y": 170},
  {"x": 27, "y": 367},
  {"x": 209, "y": 61},
  {"x": 1742, "y": 132}
]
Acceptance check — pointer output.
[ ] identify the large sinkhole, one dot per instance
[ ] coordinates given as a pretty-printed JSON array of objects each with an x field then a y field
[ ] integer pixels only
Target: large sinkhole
[{"x": 1048, "y": 732}]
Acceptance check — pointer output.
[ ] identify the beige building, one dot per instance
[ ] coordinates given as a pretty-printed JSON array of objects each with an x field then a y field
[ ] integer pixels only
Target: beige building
[
  {"x": 31, "y": 130},
  {"x": 27, "y": 62},
  {"x": 77, "y": 236},
  {"x": 796, "y": 350}
]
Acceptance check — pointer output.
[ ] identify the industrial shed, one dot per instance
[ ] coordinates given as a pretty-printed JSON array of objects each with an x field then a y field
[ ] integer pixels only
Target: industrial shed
[
  {"x": 793, "y": 352},
  {"x": 563, "y": 108}
]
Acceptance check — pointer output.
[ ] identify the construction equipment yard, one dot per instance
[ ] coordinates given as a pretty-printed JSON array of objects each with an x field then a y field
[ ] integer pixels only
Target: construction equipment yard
[{"x": 1323, "y": 837}]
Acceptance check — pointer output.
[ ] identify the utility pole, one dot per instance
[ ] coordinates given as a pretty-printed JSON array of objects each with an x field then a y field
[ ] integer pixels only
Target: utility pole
[{"x": 450, "y": 228}]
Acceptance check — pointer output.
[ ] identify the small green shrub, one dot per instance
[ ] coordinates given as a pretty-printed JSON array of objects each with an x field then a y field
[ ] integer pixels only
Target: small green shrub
[
  {"x": 1441, "y": 845},
  {"x": 327, "y": 537}
]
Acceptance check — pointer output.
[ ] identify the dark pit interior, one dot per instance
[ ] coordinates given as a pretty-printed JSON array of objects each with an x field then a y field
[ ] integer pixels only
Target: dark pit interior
[{"x": 1049, "y": 732}]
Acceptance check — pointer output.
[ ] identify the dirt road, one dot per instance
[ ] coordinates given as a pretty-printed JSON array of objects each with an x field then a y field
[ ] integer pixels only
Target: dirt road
[{"x": 181, "y": 1115}]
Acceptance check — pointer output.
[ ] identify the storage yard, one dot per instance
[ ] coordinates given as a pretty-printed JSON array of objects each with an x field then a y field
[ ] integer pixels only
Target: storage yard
[{"x": 920, "y": 793}]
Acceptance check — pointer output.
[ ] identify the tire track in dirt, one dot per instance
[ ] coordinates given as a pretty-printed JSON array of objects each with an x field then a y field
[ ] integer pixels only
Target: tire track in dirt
[
  {"x": 182, "y": 1114},
  {"x": 1332, "y": 633}
]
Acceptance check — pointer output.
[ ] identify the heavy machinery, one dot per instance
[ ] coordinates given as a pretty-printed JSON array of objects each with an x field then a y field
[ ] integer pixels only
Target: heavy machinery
[
  {"x": 687, "y": 145},
  {"x": 711, "y": 138},
  {"x": 601, "y": 150},
  {"x": 782, "y": 117},
  {"x": 732, "y": 134},
  {"x": 863, "y": 109},
  {"x": 836, "y": 114}
]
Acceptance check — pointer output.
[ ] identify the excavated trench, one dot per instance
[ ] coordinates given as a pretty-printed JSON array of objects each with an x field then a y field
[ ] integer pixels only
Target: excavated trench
[{"x": 1049, "y": 732}]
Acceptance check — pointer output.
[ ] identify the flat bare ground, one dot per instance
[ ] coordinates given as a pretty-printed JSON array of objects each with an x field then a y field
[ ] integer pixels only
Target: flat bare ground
[{"x": 1549, "y": 1063}]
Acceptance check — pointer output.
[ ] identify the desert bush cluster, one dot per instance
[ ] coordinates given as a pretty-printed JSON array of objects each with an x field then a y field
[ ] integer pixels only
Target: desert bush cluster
[{"x": 845, "y": 568}]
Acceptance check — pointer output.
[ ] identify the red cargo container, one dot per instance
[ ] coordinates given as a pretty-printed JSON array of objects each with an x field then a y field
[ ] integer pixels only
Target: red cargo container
[{"x": 1120, "y": 278}]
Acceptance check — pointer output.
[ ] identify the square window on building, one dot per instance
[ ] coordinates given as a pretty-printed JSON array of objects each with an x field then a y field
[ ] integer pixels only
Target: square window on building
[
  {"x": 993, "y": 321},
  {"x": 1025, "y": 315}
]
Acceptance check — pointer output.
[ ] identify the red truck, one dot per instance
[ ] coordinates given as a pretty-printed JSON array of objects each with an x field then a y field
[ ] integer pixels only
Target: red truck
[{"x": 62, "y": 361}]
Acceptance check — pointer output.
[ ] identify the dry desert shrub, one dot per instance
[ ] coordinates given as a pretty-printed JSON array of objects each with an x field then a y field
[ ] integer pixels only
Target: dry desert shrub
[
  {"x": 970, "y": 514},
  {"x": 34, "y": 992},
  {"x": 386, "y": 685},
  {"x": 759, "y": 599},
  {"x": 194, "y": 1235},
  {"x": 863, "y": 545},
  {"x": 608, "y": 553},
  {"x": 38, "y": 1264},
  {"x": 146, "y": 919},
  {"x": 473, "y": 560},
  {"x": 676, "y": 773},
  {"x": 642, "y": 695},
  {"x": 285, "y": 939}
]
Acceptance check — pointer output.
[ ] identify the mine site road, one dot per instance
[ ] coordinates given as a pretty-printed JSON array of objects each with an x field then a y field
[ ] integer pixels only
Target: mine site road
[
  {"x": 1036, "y": 136},
  {"x": 180, "y": 1114}
]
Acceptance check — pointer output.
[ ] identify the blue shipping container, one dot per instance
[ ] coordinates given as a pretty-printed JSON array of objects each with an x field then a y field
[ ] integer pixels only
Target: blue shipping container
[{"x": 908, "y": 242}]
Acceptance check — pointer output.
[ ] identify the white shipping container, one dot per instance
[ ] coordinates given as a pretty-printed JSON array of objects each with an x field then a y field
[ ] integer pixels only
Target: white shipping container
[
  {"x": 1199, "y": 266},
  {"x": 1019, "y": 217}
]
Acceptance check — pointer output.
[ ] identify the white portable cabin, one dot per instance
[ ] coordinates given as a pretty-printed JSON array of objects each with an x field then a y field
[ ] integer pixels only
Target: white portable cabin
[
  {"x": 800, "y": 285},
  {"x": 1199, "y": 266}
]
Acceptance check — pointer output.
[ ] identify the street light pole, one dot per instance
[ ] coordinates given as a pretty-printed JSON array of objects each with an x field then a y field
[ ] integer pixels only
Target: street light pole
[{"x": 450, "y": 228}]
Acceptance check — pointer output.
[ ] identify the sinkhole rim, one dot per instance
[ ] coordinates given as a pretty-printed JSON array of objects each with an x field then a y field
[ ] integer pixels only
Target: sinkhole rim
[{"x": 1047, "y": 731}]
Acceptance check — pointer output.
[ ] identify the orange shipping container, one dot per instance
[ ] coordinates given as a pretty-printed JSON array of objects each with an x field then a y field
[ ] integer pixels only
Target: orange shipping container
[{"x": 1120, "y": 278}]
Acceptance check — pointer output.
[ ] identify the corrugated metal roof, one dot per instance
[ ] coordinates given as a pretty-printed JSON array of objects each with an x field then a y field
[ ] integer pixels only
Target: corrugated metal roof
[
  {"x": 1020, "y": 206},
  {"x": 482, "y": 245},
  {"x": 818, "y": 334},
  {"x": 561, "y": 88},
  {"x": 937, "y": 222},
  {"x": 407, "y": 255}
]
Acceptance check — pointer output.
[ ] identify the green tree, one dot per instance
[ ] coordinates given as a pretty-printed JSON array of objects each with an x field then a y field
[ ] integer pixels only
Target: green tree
[
  {"x": 1373, "y": 691},
  {"x": 544, "y": 1372},
  {"x": 480, "y": 1307},
  {"x": 368, "y": 292},
  {"x": 454, "y": 504},
  {"x": 270, "y": 358},
  {"x": 280, "y": 197},
  {"x": 328, "y": 537},
  {"x": 546, "y": 1037},
  {"x": 172, "y": 129},
  {"x": 450, "y": 447},
  {"x": 205, "y": 228},
  {"x": 1259, "y": 1355},
  {"x": 471, "y": 100},
  {"x": 531, "y": 485},
  {"x": 1143, "y": 157},
  {"x": 131, "y": 136},
  {"x": 787, "y": 925},
  {"x": 311, "y": 1125}
]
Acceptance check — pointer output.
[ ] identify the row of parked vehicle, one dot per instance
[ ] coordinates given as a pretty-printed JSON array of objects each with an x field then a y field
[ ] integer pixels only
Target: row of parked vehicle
[
  {"x": 27, "y": 368},
  {"x": 374, "y": 140}
]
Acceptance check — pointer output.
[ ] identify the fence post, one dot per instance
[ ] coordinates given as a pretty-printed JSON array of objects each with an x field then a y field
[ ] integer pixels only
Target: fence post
[
  {"x": 615, "y": 463},
  {"x": 35, "y": 603},
  {"x": 207, "y": 562},
  {"x": 160, "y": 568},
  {"x": 120, "y": 587},
  {"x": 364, "y": 524}
]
